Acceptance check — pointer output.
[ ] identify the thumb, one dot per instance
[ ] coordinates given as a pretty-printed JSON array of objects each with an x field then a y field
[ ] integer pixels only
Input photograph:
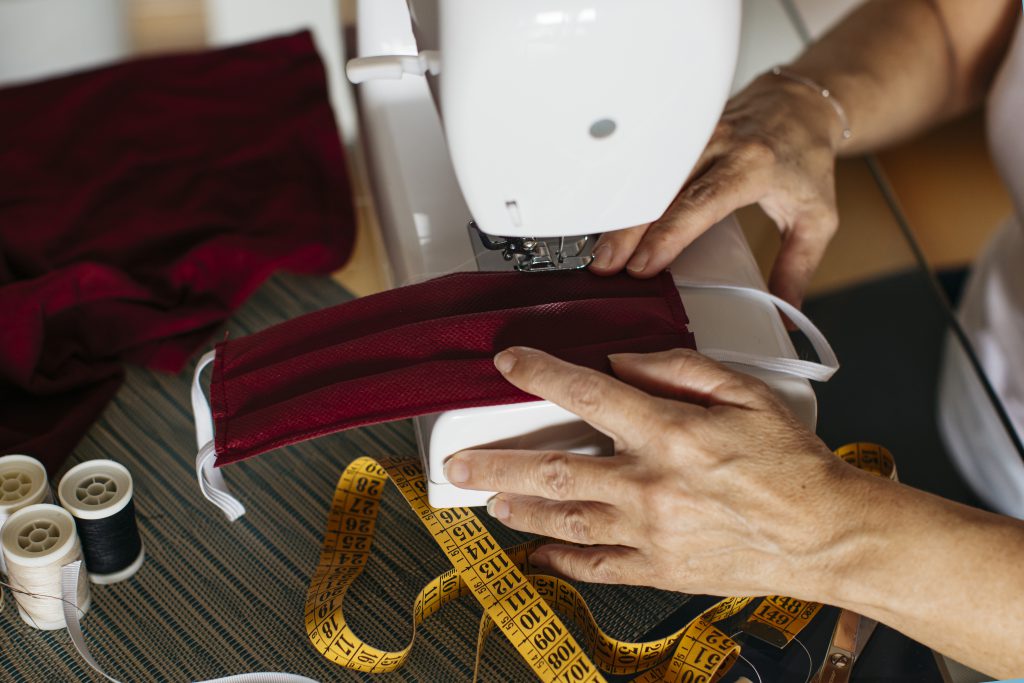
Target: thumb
[{"x": 686, "y": 375}]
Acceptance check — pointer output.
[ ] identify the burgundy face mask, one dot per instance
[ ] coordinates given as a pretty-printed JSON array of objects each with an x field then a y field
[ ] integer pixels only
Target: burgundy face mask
[{"x": 415, "y": 350}]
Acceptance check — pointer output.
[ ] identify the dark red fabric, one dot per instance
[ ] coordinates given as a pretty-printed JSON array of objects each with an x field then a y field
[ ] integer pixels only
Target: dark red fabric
[
  {"x": 139, "y": 205},
  {"x": 425, "y": 349}
]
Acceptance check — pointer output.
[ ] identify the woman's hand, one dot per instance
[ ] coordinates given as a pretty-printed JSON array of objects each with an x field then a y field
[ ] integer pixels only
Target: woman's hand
[
  {"x": 774, "y": 146},
  {"x": 714, "y": 486}
]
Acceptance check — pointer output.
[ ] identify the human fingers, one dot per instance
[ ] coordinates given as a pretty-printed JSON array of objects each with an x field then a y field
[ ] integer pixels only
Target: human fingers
[
  {"x": 614, "y": 248},
  {"x": 710, "y": 197},
  {"x": 596, "y": 564},
  {"x": 687, "y": 375},
  {"x": 554, "y": 475},
  {"x": 803, "y": 247},
  {"x": 575, "y": 521},
  {"x": 611, "y": 406}
]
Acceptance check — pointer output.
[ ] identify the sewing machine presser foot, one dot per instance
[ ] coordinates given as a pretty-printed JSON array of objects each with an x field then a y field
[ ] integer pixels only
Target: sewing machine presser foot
[{"x": 531, "y": 254}]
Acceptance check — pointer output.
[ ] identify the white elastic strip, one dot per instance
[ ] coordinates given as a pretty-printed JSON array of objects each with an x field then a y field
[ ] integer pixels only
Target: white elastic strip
[
  {"x": 69, "y": 594},
  {"x": 69, "y": 577},
  {"x": 211, "y": 481},
  {"x": 200, "y": 406},
  {"x": 263, "y": 677},
  {"x": 212, "y": 484},
  {"x": 819, "y": 372}
]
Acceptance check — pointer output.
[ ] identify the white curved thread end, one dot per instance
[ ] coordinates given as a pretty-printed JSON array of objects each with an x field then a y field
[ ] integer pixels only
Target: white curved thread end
[
  {"x": 821, "y": 371},
  {"x": 392, "y": 67},
  {"x": 213, "y": 486},
  {"x": 211, "y": 481}
]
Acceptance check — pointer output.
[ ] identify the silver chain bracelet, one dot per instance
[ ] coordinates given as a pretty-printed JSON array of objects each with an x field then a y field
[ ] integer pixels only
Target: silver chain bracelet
[{"x": 821, "y": 90}]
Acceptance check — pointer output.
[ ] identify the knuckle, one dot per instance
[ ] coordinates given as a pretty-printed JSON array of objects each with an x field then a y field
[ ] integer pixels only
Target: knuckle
[
  {"x": 493, "y": 470},
  {"x": 662, "y": 501},
  {"x": 751, "y": 383},
  {"x": 820, "y": 213},
  {"x": 663, "y": 424},
  {"x": 599, "y": 568},
  {"x": 585, "y": 390},
  {"x": 756, "y": 152},
  {"x": 555, "y": 475},
  {"x": 829, "y": 221},
  {"x": 665, "y": 238},
  {"x": 700, "y": 192},
  {"x": 574, "y": 524},
  {"x": 745, "y": 385},
  {"x": 680, "y": 361},
  {"x": 759, "y": 394},
  {"x": 614, "y": 238},
  {"x": 530, "y": 368}
]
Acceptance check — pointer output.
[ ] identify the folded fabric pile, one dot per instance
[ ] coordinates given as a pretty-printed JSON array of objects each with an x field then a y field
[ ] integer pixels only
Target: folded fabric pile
[{"x": 139, "y": 205}]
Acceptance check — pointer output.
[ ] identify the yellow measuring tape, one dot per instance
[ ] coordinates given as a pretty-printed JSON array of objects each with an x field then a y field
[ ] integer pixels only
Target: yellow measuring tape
[{"x": 525, "y": 607}]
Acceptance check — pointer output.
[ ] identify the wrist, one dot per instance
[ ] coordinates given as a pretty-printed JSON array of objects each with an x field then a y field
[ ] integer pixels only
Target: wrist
[
  {"x": 851, "y": 534},
  {"x": 818, "y": 90},
  {"x": 805, "y": 105}
]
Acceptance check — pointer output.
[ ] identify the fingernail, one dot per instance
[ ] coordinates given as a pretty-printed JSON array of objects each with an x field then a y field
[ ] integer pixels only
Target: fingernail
[
  {"x": 505, "y": 361},
  {"x": 602, "y": 256},
  {"x": 456, "y": 471},
  {"x": 639, "y": 261},
  {"x": 620, "y": 357},
  {"x": 497, "y": 508}
]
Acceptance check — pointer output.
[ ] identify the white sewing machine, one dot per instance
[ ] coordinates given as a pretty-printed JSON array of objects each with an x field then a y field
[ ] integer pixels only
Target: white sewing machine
[{"x": 561, "y": 118}]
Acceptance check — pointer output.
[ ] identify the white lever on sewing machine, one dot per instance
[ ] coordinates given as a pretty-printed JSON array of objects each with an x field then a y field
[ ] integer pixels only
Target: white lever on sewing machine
[{"x": 393, "y": 66}]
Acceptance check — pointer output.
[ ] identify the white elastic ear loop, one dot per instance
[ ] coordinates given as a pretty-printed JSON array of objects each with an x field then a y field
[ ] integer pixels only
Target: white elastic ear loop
[
  {"x": 819, "y": 372},
  {"x": 211, "y": 480},
  {"x": 69, "y": 577}
]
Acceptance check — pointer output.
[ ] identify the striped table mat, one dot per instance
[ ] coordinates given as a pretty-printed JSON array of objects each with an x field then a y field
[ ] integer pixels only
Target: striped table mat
[{"x": 216, "y": 598}]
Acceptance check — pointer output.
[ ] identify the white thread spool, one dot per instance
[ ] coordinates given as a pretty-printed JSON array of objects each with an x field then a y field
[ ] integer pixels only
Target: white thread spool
[
  {"x": 22, "y": 483},
  {"x": 97, "y": 490},
  {"x": 37, "y": 541}
]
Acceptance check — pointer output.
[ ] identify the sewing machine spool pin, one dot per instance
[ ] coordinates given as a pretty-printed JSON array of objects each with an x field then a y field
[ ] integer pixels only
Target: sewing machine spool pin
[{"x": 531, "y": 254}]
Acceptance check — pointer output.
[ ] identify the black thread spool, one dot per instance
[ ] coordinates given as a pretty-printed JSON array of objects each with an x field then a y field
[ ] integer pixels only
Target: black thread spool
[{"x": 98, "y": 494}]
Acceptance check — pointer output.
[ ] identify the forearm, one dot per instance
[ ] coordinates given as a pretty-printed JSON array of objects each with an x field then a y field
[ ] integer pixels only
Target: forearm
[
  {"x": 901, "y": 66},
  {"x": 949, "y": 576}
]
